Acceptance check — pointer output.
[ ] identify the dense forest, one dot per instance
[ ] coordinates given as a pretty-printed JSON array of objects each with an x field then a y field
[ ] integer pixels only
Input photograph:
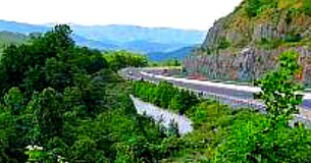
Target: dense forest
[
  {"x": 65, "y": 103},
  {"x": 60, "y": 102}
]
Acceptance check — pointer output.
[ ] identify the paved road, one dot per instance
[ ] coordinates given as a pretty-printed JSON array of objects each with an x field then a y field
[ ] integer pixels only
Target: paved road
[{"x": 235, "y": 95}]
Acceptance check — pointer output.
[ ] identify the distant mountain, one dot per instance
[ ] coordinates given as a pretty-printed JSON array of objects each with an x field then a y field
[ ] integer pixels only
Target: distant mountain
[
  {"x": 129, "y": 33},
  {"x": 81, "y": 41},
  {"x": 23, "y": 28},
  {"x": 178, "y": 54},
  {"x": 119, "y": 37},
  {"x": 149, "y": 47},
  {"x": 141, "y": 39},
  {"x": 7, "y": 38}
]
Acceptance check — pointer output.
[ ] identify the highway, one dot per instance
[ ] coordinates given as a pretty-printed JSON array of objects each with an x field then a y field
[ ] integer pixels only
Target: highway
[{"x": 234, "y": 95}]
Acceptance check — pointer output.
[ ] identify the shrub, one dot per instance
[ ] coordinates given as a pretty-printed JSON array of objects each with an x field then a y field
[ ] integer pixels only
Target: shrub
[
  {"x": 307, "y": 7},
  {"x": 279, "y": 88},
  {"x": 223, "y": 44},
  {"x": 270, "y": 43},
  {"x": 252, "y": 141},
  {"x": 292, "y": 37},
  {"x": 252, "y": 7},
  {"x": 165, "y": 95}
]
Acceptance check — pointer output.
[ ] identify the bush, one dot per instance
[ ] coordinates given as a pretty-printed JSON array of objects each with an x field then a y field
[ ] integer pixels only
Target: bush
[
  {"x": 292, "y": 37},
  {"x": 280, "y": 87},
  {"x": 223, "y": 44},
  {"x": 307, "y": 7},
  {"x": 270, "y": 43},
  {"x": 121, "y": 59},
  {"x": 252, "y": 141},
  {"x": 165, "y": 95},
  {"x": 252, "y": 6}
]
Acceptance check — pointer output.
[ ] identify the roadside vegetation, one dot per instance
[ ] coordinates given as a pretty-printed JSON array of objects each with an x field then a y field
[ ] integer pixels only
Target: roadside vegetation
[
  {"x": 170, "y": 62},
  {"x": 122, "y": 59},
  {"x": 165, "y": 95},
  {"x": 225, "y": 135}
]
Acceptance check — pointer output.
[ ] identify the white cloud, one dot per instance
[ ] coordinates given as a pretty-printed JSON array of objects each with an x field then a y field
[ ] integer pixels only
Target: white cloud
[{"x": 189, "y": 14}]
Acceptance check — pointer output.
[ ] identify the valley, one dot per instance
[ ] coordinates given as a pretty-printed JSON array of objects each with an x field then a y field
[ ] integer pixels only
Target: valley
[{"x": 155, "y": 43}]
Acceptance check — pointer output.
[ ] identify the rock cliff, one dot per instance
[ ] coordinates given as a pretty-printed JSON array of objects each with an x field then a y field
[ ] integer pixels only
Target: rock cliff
[{"x": 246, "y": 43}]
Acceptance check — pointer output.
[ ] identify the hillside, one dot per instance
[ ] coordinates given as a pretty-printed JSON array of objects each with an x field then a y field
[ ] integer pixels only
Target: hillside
[
  {"x": 119, "y": 37},
  {"x": 178, "y": 54},
  {"x": 21, "y": 27},
  {"x": 81, "y": 41},
  {"x": 130, "y": 33},
  {"x": 7, "y": 38},
  {"x": 246, "y": 43}
]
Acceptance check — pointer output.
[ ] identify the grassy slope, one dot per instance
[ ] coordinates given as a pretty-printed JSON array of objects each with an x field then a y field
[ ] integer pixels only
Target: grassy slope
[{"x": 7, "y": 38}]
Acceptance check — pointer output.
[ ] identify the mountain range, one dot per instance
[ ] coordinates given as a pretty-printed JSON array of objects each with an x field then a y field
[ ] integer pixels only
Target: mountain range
[
  {"x": 143, "y": 40},
  {"x": 178, "y": 54},
  {"x": 7, "y": 38}
]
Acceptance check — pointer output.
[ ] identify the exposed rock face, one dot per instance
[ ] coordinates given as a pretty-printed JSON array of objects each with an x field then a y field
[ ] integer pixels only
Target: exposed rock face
[
  {"x": 248, "y": 65},
  {"x": 214, "y": 34},
  {"x": 265, "y": 31},
  {"x": 253, "y": 44}
]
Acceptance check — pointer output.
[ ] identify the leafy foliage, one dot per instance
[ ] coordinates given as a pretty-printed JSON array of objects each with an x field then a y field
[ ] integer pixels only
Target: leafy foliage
[
  {"x": 170, "y": 62},
  {"x": 255, "y": 7},
  {"x": 68, "y": 101},
  {"x": 165, "y": 95},
  {"x": 279, "y": 88},
  {"x": 268, "y": 138},
  {"x": 252, "y": 141},
  {"x": 307, "y": 7},
  {"x": 252, "y": 7},
  {"x": 223, "y": 44},
  {"x": 121, "y": 59}
]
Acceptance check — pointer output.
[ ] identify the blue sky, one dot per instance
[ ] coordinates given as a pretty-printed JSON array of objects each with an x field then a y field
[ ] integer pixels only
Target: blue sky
[{"x": 186, "y": 14}]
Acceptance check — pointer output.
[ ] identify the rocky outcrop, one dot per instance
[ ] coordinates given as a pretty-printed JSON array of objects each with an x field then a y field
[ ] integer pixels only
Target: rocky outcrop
[
  {"x": 247, "y": 65},
  {"x": 243, "y": 48}
]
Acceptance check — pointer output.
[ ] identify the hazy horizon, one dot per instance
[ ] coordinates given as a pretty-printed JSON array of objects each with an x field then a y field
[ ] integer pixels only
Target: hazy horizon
[{"x": 186, "y": 14}]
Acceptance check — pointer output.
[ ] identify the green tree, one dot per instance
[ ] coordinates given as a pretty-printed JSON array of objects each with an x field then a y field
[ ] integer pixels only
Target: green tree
[
  {"x": 121, "y": 59},
  {"x": 252, "y": 7},
  {"x": 7, "y": 134},
  {"x": 14, "y": 100},
  {"x": 307, "y": 7},
  {"x": 281, "y": 92},
  {"x": 249, "y": 140},
  {"x": 49, "y": 114},
  {"x": 176, "y": 102}
]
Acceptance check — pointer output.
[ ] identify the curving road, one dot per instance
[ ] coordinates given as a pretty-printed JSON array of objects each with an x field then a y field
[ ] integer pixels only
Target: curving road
[{"x": 235, "y": 95}]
